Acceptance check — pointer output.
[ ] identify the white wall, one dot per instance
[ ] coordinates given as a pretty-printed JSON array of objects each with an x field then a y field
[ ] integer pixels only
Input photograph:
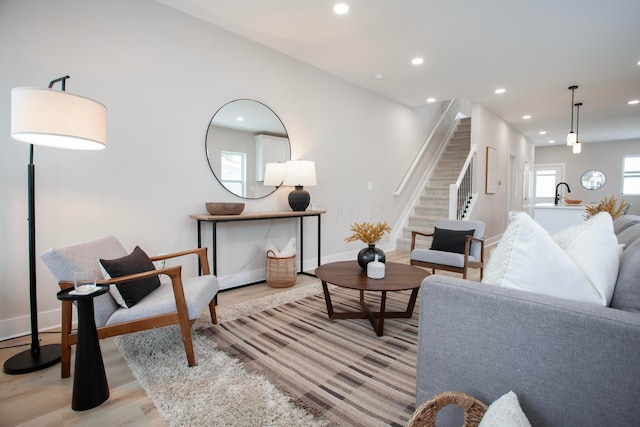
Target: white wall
[
  {"x": 162, "y": 76},
  {"x": 489, "y": 130},
  {"x": 605, "y": 156}
]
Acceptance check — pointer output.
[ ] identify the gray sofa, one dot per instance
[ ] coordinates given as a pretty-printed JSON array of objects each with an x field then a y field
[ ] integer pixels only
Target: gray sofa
[{"x": 570, "y": 363}]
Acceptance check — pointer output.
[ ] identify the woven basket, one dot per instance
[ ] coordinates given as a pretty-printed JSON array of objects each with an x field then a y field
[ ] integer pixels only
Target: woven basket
[
  {"x": 425, "y": 415},
  {"x": 281, "y": 272}
]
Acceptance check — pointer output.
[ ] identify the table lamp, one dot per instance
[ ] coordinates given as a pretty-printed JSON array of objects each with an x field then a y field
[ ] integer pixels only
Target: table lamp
[
  {"x": 299, "y": 173},
  {"x": 53, "y": 119}
]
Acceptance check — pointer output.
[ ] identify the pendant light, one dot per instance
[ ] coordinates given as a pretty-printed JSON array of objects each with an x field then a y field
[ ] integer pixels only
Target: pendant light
[
  {"x": 572, "y": 136},
  {"x": 577, "y": 147}
]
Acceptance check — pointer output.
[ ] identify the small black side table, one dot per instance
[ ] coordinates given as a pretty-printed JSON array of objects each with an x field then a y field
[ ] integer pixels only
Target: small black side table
[{"x": 90, "y": 388}]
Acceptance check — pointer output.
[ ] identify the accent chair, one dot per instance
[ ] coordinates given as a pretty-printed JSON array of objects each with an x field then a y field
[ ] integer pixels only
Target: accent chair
[
  {"x": 176, "y": 302},
  {"x": 456, "y": 246}
]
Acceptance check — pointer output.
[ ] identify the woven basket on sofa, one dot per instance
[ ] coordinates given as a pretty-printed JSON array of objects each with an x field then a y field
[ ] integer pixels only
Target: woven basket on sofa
[
  {"x": 425, "y": 414},
  {"x": 281, "y": 272}
]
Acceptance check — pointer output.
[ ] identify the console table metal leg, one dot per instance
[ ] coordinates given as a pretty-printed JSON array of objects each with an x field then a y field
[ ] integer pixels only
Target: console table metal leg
[
  {"x": 214, "y": 248},
  {"x": 301, "y": 244},
  {"x": 199, "y": 244},
  {"x": 318, "y": 240}
]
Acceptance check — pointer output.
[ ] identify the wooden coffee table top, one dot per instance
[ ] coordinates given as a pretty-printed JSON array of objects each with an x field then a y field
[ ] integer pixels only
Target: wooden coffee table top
[{"x": 348, "y": 274}]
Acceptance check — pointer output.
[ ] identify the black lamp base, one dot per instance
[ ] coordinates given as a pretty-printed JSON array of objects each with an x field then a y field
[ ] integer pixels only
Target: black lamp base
[
  {"x": 27, "y": 361},
  {"x": 299, "y": 199}
]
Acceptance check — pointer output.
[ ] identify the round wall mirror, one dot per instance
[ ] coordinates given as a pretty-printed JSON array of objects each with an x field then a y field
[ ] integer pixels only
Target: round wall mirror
[
  {"x": 592, "y": 180},
  {"x": 243, "y": 136}
]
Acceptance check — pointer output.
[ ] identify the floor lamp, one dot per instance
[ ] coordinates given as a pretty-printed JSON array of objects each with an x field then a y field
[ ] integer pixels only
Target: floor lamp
[{"x": 53, "y": 119}]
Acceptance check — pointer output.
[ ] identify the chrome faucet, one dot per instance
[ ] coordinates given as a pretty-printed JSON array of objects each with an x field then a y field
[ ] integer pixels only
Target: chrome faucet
[{"x": 557, "y": 199}]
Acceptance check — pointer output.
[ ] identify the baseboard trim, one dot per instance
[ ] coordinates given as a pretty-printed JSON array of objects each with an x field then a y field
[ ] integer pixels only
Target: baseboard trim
[{"x": 21, "y": 326}]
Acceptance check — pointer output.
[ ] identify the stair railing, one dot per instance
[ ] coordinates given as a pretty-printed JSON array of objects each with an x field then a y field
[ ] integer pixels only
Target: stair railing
[
  {"x": 461, "y": 192},
  {"x": 440, "y": 129}
]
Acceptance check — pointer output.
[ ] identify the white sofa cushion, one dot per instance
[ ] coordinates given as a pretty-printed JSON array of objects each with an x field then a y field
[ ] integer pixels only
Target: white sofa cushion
[{"x": 580, "y": 263}]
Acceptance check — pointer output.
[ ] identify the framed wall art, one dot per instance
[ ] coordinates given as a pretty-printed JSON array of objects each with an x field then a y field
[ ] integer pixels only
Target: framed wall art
[{"x": 492, "y": 171}]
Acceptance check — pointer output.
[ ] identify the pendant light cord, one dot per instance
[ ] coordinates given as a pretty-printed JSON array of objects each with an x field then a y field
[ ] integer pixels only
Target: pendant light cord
[{"x": 573, "y": 89}]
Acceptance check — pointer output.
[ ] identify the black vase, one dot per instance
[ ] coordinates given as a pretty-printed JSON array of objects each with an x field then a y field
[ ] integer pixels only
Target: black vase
[{"x": 366, "y": 255}]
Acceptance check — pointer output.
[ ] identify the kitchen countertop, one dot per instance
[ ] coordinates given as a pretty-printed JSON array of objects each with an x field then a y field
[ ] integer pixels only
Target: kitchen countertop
[{"x": 561, "y": 206}]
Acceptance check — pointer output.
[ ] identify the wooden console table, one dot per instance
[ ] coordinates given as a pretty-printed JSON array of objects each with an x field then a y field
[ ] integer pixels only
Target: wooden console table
[{"x": 255, "y": 216}]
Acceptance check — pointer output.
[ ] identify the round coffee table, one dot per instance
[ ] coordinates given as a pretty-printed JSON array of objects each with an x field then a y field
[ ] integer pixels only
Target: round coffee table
[{"x": 348, "y": 274}]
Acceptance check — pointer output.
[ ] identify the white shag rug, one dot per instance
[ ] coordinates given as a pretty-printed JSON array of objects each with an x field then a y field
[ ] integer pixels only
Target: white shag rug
[{"x": 218, "y": 391}]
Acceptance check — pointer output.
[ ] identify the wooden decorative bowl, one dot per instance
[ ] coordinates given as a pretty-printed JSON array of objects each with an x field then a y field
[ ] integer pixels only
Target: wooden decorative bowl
[
  {"x": 224, "y": 208},
  {"x": 572, "y": 201}
]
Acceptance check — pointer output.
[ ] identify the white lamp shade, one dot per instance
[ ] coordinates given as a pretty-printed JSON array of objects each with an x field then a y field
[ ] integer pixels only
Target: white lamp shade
[
  {"x": 299, "y": 173},
  {"x": 572, "y": 137},
  {"x": 273, "y": 174},
  {"x": 577, "y": 148},
  {"x": 57, "y": 119}
]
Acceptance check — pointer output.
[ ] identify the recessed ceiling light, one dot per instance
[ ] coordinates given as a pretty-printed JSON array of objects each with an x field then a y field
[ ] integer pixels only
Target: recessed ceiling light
[
  {"x": 341, "y": 8},
  {"x": 551, "y": 141},
  {"x": 378, "y": 76},
  {"x": 500, "y": 90},
  {"x": 431, "y": 100},
  {"x": 634, "y": 102},
  {"x": 543, "y": 132},
  {"x": 417, "y": 61},
  {"x": 638, "y": 62},
  {"x": 240, "y": 119},
  {"x": 526, "y": 117}
]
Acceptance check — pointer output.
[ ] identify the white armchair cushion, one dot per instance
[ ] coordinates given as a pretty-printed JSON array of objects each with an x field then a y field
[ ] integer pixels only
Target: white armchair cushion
[
  {"x": 440, "y": 257},
  {"x": 198, "y": 292}
]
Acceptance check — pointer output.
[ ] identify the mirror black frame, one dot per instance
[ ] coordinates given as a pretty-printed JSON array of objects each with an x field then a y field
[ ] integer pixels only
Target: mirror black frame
[
  {"x": 596, "y": 185},
  {"x": 266, "y": 131}
]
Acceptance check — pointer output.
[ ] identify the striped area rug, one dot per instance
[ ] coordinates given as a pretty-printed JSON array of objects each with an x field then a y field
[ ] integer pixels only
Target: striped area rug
[{"x": 338, "y": 369}]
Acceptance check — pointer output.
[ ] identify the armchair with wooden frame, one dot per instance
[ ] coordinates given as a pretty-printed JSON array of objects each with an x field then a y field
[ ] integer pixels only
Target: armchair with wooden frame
[
  {"x": 181, "y": 301},
  {"x": 459, "y": 261}
]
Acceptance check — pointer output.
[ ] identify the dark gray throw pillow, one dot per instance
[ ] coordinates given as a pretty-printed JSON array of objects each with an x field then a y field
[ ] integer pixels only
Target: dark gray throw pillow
[
  {"x": 450, "y": 240},
  {"x": 130, "y": 293}
]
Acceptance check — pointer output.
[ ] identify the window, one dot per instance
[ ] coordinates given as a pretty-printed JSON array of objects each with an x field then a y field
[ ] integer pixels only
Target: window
[
  {"x": 631, "y": 175},
  {"x": 232, "y": 172},
  {"x": 546, "y": 178}
]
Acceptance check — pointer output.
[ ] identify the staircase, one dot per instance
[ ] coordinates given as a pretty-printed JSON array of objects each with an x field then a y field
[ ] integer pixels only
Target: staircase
[{"x": 433, "y": 204}]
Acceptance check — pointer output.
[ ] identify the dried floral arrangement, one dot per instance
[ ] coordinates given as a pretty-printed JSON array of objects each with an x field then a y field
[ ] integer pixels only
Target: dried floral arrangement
[
  {"x": 608, "y": 204},
  {"x": 368, "y": 233}
]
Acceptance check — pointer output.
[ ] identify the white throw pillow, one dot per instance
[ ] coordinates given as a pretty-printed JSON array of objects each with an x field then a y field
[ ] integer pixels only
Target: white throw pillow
[
  {"x": 269, "y": 246},
  {"x": 289, "y": 249},
  {"x": 286, "y": 252},
  {"x": 505, "y": 412},
  {"x": 527, "y": 258},
  {"x": 594, "y": 248}
]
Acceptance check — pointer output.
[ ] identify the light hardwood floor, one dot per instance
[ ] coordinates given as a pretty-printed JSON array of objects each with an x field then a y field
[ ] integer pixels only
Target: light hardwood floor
[{"x": 44, "y": 399}]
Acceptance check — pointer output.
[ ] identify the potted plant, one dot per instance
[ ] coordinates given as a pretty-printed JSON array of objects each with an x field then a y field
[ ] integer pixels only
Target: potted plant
[{"x": 370, "y": 234}]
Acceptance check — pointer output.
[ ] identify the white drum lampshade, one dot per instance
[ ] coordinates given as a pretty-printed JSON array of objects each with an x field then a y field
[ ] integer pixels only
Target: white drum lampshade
[{"x": 57, "y": 119}]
